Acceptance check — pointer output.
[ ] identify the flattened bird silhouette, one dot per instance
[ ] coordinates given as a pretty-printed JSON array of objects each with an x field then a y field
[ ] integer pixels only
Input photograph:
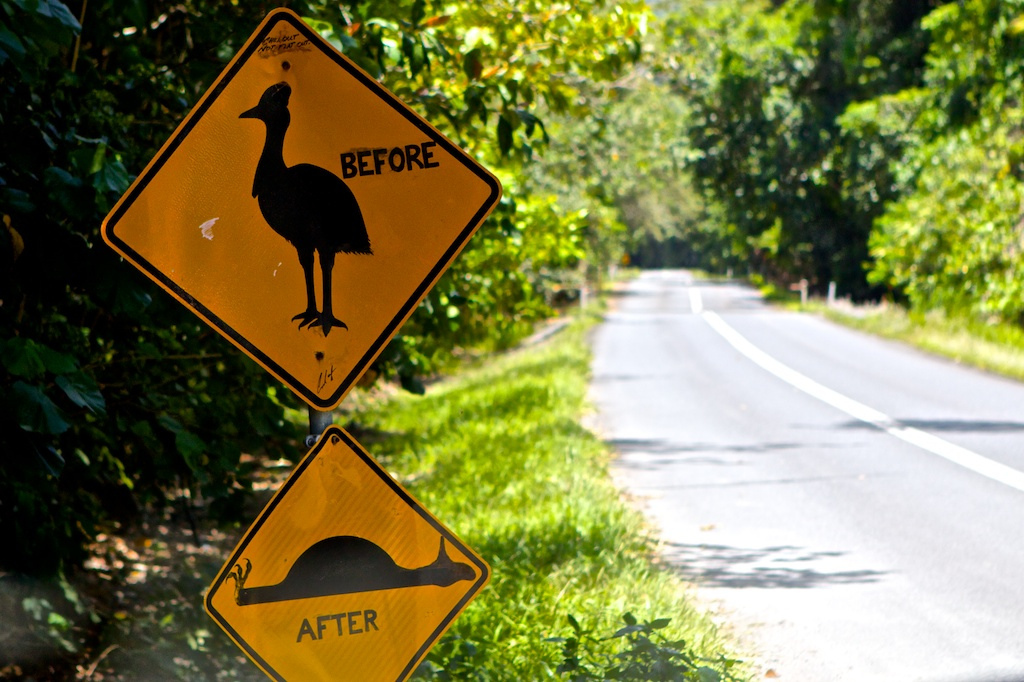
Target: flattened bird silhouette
[
  {"x": 345, "y": 565},
  {"x": 309, "y": 206}
]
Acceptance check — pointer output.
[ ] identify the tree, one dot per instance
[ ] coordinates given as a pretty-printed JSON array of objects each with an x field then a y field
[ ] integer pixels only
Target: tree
[
  {"x": 768, "y": 85},
  {"x": 953, "y": 238}
]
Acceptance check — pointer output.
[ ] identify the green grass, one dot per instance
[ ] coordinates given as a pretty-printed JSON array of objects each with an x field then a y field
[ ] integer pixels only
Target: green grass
[
  {"x": 990, "y": 345},
  {"x": 996, "y": 347},
  {"x": 499, "y": 455}
]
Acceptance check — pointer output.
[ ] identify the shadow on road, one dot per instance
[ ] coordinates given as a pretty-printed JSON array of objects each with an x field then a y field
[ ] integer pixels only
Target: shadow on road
[
  {"x": 1012, "y": 677},
  {"x": 631, "y": 293},
  {"x": 784, "y": 567},
  {"x": 643, "y": 454},
  {"x": 948, "y": 426},
  {"x": 662, "y": 446},
  {"x": 612, "y": 378}
]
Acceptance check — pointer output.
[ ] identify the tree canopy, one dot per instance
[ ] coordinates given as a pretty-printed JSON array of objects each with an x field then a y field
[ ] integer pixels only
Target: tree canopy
[{"x": 873, "y": 144}]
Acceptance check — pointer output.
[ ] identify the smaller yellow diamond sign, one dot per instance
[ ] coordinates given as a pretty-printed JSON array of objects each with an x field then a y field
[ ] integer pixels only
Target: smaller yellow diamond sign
[{"x": 344, "y": 575}]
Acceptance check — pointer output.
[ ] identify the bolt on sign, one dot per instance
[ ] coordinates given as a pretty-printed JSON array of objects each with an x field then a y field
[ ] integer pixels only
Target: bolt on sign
[
  {"x": 344, "y": 575},
  {"x": 302, "y": 210}
]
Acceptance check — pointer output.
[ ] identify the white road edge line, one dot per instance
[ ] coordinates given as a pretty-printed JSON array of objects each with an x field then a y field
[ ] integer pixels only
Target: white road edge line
[{"x": 926, "y": 441}]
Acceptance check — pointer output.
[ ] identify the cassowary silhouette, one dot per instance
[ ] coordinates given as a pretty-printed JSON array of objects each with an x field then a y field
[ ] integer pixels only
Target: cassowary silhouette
[
  {"x": 309, "y": 206},
  {"x": 346, "y": 565}
]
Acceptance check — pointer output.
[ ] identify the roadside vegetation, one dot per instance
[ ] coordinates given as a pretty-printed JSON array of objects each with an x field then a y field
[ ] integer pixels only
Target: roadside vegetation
[
  {"x": 870, "y": 144},
  {"x": 990, "y": 345},
  {"x": 497, "y": 452}
]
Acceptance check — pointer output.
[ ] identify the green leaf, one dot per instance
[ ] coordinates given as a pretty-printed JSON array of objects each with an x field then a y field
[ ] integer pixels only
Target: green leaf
[
  {"x": 131, "y": 299},
  {"x": 418, "y": 12},
  {"x": 55, "y": 176},
  {"x": 660, "y": 623},
  {"x": 628, "y": 630},
  {"x": 10, "y": 45},
  {"x": 21, "y": 358},
  {"x": 324, "y": 28},
  {"x": 36, "y": 412},
  {"x": 504, "y": 136},
  {"x": 51, "y": 459},
  {"x": 384, "y": 23},
  {"x": 144, "y": 431},
  {"x": 56, "y": 362},
  {"x": 90, "y": 159},
  {"x": 708, "y": 674},
  {"x": 83, "y": 391},
  {"x": 134, "y": 12},
  {"x": 29, "y": 359},
  {"x": 191, "y": 448},
  {"x": 170, "y": 423},
  {"x": 68, "y": 192},
  {"x": 59, "y": 11},
  {"x": 113, "y": 177},
  {"x": 412, "y": 383},
  {"x": 531, "y": 123},
  {"x": 471, "y": 64},
  {"x": 17, "y": 199}
]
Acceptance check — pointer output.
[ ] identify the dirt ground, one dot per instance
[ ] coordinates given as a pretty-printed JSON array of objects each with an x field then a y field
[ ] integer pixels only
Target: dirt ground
[{"x": 135, "y": 610}]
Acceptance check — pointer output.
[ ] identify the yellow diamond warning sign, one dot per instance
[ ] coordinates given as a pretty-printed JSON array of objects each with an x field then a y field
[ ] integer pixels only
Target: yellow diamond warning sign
[
  {"x": 344, "y": 575},
  {"x": 302, "y": 210}
]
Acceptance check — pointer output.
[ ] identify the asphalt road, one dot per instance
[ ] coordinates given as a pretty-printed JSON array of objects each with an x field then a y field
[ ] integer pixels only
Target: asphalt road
[{"x": 851, "y": 509}]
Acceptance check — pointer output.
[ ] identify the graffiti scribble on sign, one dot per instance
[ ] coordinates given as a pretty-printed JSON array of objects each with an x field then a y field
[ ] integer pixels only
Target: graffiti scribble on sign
[{"x": 275, "y": 45}]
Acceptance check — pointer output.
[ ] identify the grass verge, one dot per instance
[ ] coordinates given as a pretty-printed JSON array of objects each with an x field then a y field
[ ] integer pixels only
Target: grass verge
[
  {"x": 498, "y": 454},
  {"x": 994, "y": 347}
]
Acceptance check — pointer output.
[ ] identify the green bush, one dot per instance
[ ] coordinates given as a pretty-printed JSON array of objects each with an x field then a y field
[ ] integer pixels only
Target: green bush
[
  {"x": 953, "y": 240},
  {"x": 645, "y": 655}
]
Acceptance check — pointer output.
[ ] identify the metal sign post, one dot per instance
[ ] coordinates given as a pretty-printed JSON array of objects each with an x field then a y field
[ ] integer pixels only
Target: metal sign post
[{"x": 319, "y": 420}]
